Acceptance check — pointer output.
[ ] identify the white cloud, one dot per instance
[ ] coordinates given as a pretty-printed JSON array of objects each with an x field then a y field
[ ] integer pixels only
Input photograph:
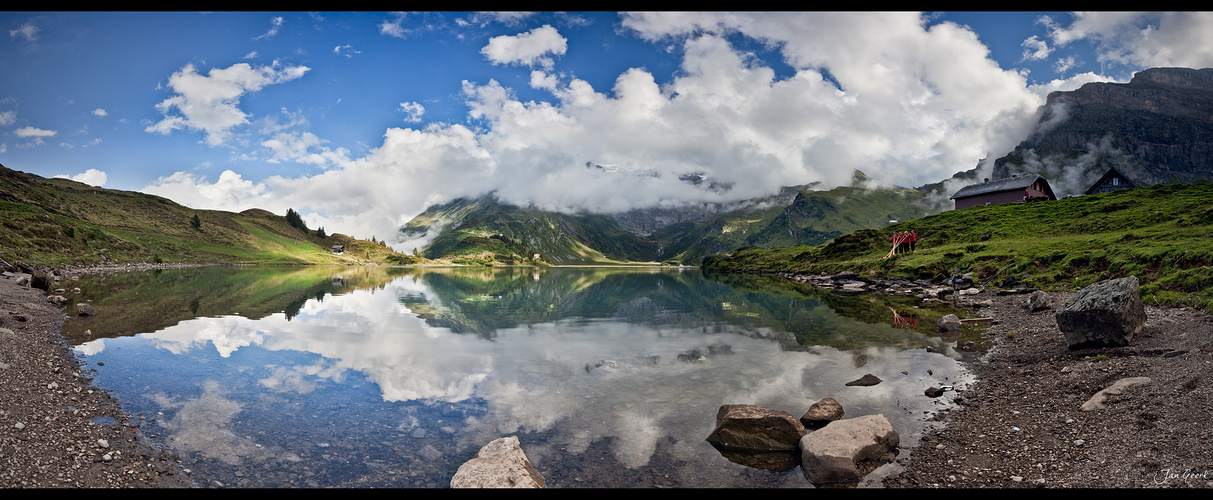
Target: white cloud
[
  {"x": 230, "y": 192},
  {"x": 92, "y": 177},
  {"x": 275, "y": 24},
  {"x": 904, "y": 102},
  {"x": 250, "y": 55},
  {"x": 27, "y": 31},
  {"x": 413, "y": 111},
  {"x": 528, "y": 49},
  {"x": 393, "y": 27},
  {"x": 304, "y": 147},
  {"x": 1143, "y": 39},
  {"x": 211, "y": 103},
  {"x": 8, "y": 118},
  {"x": 349, "y": 50},
  {"x": 36, "y": 133},
  {"x": 1063, "y": 64},
  {"x": 1035, "y": 49},
  {"x": 100, "y": 112}
]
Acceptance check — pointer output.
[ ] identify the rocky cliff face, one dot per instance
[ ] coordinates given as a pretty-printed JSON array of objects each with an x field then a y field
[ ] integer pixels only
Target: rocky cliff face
[{"x": 1158, "y": 128}]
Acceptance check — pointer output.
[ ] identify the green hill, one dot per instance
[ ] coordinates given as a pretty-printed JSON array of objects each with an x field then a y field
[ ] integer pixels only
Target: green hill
[
  {"x": 60, "y": 221},
  {"x": 485, "y": 232},
  {"x": 1160, "y": 234}
]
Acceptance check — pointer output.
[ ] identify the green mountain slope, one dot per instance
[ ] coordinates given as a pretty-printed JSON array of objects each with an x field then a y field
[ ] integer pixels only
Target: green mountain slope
[
  {"x": 483, "y": 231},
  {"x": 60, "y": 221},
  {"x": 813, "y": 218}
]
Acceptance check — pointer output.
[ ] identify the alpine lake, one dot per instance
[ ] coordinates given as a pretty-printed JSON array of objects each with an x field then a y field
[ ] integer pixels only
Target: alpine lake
[{"x": 320, "y": 376}]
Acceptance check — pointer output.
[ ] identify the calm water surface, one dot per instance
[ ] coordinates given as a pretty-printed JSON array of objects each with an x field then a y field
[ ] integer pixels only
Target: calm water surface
[{"x": 393, "y": 377}]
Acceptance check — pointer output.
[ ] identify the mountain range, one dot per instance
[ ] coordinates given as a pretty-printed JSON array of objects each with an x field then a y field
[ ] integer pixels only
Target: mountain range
[{"x": 1158, "y": 128}]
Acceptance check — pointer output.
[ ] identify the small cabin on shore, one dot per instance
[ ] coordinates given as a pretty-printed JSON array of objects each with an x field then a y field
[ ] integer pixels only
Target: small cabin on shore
[
  {"x": 1015, "y": 189},
  {"x": 1111, "y": 181},
  {"x": 338, "y": 249}
]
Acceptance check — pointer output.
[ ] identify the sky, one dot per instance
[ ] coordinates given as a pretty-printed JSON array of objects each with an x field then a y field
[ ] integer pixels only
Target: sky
[{"x": 360, "y": 121}]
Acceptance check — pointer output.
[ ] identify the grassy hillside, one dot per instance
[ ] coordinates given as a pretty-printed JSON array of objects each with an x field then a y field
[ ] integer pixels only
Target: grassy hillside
[
  {"x": 60, "y": 221},
  {"x": 1162, "y": 234}
]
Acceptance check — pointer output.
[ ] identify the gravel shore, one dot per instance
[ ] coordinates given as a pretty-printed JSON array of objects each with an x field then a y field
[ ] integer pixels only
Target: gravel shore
[
  {"x": 56, "y": 428},
  {"x": 1021, "y": 425}
]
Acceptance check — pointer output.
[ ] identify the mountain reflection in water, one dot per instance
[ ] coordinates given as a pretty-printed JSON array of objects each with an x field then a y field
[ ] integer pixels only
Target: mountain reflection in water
[{"x": 393, "y": 377}]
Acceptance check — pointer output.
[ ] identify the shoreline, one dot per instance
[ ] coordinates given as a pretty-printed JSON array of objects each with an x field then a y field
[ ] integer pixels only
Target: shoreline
[
  {"x": 58, "y": 429},
  {"x": 1021, "y": 425}
]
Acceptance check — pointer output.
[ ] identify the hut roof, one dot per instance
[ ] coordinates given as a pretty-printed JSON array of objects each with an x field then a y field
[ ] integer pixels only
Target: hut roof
[
  {"x": 1108, "y": 175},
  {"x": 998, "y": 186}
]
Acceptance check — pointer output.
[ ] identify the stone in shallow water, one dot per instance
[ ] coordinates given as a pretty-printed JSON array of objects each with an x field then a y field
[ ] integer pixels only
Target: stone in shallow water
[
  {"x": 499, "y": 464},
  {"x": 833, "y": 453},
  {"x": 865, "y": 381}
]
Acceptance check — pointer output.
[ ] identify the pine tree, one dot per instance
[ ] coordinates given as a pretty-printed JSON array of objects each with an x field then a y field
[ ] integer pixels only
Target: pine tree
[
  {"x": 196, "y": 223},
  {"x": 320, "y": 233}
]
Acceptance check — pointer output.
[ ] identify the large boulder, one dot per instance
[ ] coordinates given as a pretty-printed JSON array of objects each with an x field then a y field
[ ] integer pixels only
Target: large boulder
[
  {"x": 751, "y": 428},
  {"x": 833, "y": 453},
  {"x": 499, "y": 464},
  {"x": 1104, "y": 314}
]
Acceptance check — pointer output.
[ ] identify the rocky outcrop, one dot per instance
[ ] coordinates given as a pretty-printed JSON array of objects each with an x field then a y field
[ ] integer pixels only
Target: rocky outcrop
[
  {"x": 1104, "y": 314},
  {"x": 1156, "y": 128},
  {"x": 754, "y": 428},
  {"x": 499, "y": 464},
  {"x": 832, "y": 454},
  {"x": 85, "y": 309}
]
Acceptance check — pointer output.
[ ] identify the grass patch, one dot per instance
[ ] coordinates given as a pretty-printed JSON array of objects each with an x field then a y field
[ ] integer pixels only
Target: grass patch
[{"x": 1160, "y": 234}]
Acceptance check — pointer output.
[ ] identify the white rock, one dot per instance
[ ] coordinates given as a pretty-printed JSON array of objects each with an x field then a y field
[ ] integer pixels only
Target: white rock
[{"x": 499, "y": 464}]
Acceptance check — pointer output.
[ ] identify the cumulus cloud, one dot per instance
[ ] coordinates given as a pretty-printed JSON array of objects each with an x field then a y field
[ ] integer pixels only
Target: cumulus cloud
[
  {"x": 35, "y": 135},
  {"x": 1035, "y": 49},
  {"x": 1138, "y": 39},
  {"x": 230, "y": 192},
  {"x": 528, "y": 49},
  {"x": 27, "y": 31},
  {"x": 211, "y": 103},
  {"x": 304, "y": 147},
  {"x": 413, "y": 111},
  {"x": 100, "y": 112},
  {"x": 7, "y": 118},
  {"x": 92, "y": 177},
  {"x": 250, "y": 55},
  {"x": 906, "y": 102}
]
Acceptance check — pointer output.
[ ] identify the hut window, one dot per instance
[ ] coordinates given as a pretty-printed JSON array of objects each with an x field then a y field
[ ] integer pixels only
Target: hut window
[{"x": 1116, "y": 181}]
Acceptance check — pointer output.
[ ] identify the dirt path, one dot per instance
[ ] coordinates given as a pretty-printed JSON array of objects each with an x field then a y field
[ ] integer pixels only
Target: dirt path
[
  {"x": 56, "y": 428},
  {"x": 1022, "y": 426}
]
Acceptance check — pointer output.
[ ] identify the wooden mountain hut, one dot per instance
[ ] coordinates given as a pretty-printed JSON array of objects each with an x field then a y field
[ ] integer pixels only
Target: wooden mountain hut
[
  {"x": 1014, "y": 189},
  {"x": 1111, "y": 181}
]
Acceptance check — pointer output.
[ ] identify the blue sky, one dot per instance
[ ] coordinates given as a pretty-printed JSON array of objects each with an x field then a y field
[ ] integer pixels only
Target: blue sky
[{"x": 361, "y": 120}]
